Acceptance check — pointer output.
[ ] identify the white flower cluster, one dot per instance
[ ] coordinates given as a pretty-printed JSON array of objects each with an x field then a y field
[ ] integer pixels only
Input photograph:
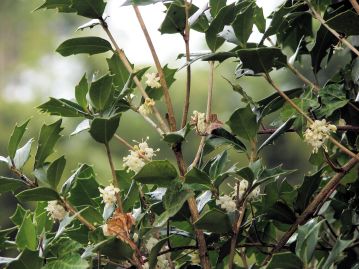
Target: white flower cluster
[
  {"x": 153, "y": 80},
  {"x": 227, "y": 203},
  {"x": 147, "y": 107},
  {"x": 317, "y": 133},
  {"x": 199, "y": 119},
  {"x": 162, "y": 262},
  {"x": 55, "y": 210},
  {"x": 243, "y": 186},
  {"x": 108, "y": 194},
  {"x": 136, "y": 159}
]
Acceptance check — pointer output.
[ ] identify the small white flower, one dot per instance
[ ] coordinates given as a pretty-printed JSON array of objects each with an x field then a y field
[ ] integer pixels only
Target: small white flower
[
  {"x": 317, "y": 134},
  {"x": 108, "y": 194},
  {"x": 243, "y": 186},
  {"x": 199, "y": 119},
  {"x": 147, "y": 107},
  {"x": 105, "y": 230},
  {"x": 55, "y": 210},
  {"x": 137, "y": 157},
  {"x": 152, "y": 80},
  {"x": 227, "y": 203}
]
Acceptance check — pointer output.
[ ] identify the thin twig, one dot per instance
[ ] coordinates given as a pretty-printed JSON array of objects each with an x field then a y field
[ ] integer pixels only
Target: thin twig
[
  {"x": 315, "y": 204},
  {"x": 355, "y": 5},
  {"x": 129, "y": 68},
  {"x": 171, "y": 116},
  {"x": 123, "y": 141},
  {"x": 335, "y": 33},
  {"x": 114, "y": 177},
  {"x": 77, "y": 215},
  {"x": 344, "y": 128}
]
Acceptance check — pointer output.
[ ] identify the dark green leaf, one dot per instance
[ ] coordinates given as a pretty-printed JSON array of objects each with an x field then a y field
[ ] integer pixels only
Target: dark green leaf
[
  {"x": 243, "y": 23},
  {"x": 246, "y": 173},
  {"x": 221, "y": 136},
  {"x": 71, "y": 261},
  {"x": 152, "y": 259},
  {"x": 259, "y": 19},
  {"x": 335, "y": 254},
  {"x": 116, "y": 249},
  {"x": 214, "y": 221},
  {"x": 10, "y": 184},
  {"x": 178, "y": 136},
  {"x": 118, "y": 70},
  {"x": 196, "y": 176},
  {"x": 281, "y": 212},
  {"x": 89, "y": 45},
  {"x": 26, "y": 236},
  {"x": 49, "y": 135},
  {"x": 23, "y": 154},
  {"x": 81, "y": 91},
  {"x": 83, "y": 172},
  {"x": 18, "y": 217},
  {"x": 42, "y": 219},
  {"x": 101, "y": 91},
  {"x": 281, "y": 130},
  {"x": 60, "y": 5},
  {"x": 243, "y": 123},
  {"x": 345, "y": 23},
  {"x": 15, "y": 138},
  {"x": 84, "y": 192},
  {"x": 103, "y": 129},
  {"x": 217, "y": 164},
  {"x": 89, "y": 8},
  {"x": 332, "y": 97},
  {"x": 38, "y": 194},
  {"x": 26, "y": 260},
  {"x": 285, "y": 260},
  {"x": 55, "y": 170},
  {"x": 62, "y": 107},
  {"x": 161, "y": 173},
  {"x": 263, "y": 59},
  {"x": 216, "y": 6}
]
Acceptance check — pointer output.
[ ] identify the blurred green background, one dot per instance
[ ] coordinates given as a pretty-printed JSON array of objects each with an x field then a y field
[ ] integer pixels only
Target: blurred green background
[{"x": 31, "y": 71}]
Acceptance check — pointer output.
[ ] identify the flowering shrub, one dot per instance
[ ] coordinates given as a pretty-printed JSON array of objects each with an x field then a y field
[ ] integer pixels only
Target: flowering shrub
[{"x": 206, "y": 211}]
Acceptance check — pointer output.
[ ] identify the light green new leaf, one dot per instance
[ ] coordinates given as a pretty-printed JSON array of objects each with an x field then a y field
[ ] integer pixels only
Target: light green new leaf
[
  {"x": 81, "y": 91},
  {"x": 23, "y": 154},
  {"x": 89, "y": 45},
  {"x": 62, "y": 107},
  {"x": 26, "y": 236},
  {"x": 38, "y": 194},
  {"x": 243, "y": 123},
  {"x": 49, "y": 135},
  {"x": 55, "y": 170},
  {"x": 10, "y": 184},
  {"x": 101, "y": 91},
  {"x": 15, "y": 138},
  {"x": 161, "y": 173},
  {"x": 103, "y": 129},
  {"x": 71, "y": 261},
  {"x": 89, "y": 8}
]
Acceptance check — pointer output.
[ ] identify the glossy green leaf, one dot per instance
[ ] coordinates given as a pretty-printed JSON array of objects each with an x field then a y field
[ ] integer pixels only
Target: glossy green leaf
[
  {"x": 335, "y": 254},
  {"x": 103, "y": 129},
  {"x": 221, "y": 136},
  {"x": 285, "y": 260},
  {"x": 243, "y": 23},
  {"x": 243, "y": 123},
  {"x": 196, "y": 176},
  {"x": 118, "y": 71},
  {"x": 101, "y": 92},
  {"x": 88, "y": 45},
  {"x": 55, "y": 170},
  {"x": 83, "y": 172},
  {"x": 38, "y": 194},
  {"x": 71, "y": 261},
  {"x": 89, "y": 8},
  {"x": 27, "y": 259},
  {"x": 161, "y": 173},
  {"x": 246, "y": 173},
  {"x": 49, "y": 134},
  {"x": 60, "y": 5},
  {"x": 23, "y": 154},
  {"x": 281, "y": 212},
  {"x": 81, "y": 91},
  {"x": 62, "y": 107},
  {"x": 10, "y": 184},
  {"x": 215, "y": 221},
  {"x": 26, "y": 236},
  {"x": 84, "y": 192},
  {"x": 15, "y": 138},
  {"x": 216, "y": 6},
  {"x": 178, "y": 136}
]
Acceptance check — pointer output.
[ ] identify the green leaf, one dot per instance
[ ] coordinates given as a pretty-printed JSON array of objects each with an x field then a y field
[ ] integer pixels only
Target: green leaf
[
  {"x": 215, "y": 221},
  {"x": 38, "y": 194},
  {"x": 101, "y": 92},
  {"x": 140, "y": 2},
  {"x": 243, "y": 23},
  {"x": 62, "y": 107},
  {"x": 308, "y": 235},
  {"x": 118, "y": 70},
  {"x": 10, "y": 184},
  {"x": 82, "y": 126},
  {"x": 332, "y": 97},
  {"x": 281, "y": 212},
  {"x": 259, "y": 19},
  {"x": 71, "y": 261},
  {"x": 285, "y": 260},
  {"x": 116, "y": 249},
  {"x": 103, "y": 129},
  {"x": 26, "y": 236},
  {"x": 246, "y": 173},
  {"x": 221, "y": 136},
  {"x": 55, "y": 170},
  {"x": 216, "y": 6},
  {"x": 196, "y": 176},
  {"x": 81, "y": 91},
  {"x": 26, "y": 260},
  {"x": 263, "y": 59},
  {"x": 243, "y": 123},
  {"x": 49, "y": 134},
  {"x": 309, "y": 186},
  {"x": 83, "y": 172},
  {"x": 157, "y": 93},
  {"x": 217, "y": 164},
  {"x": 281, "y": 130},
  {"x": 23, "y": 154},
  {"x": 89, "y": 8},
  {"x": 84, "y": 192},
  {"x": 153, "y": 257},
  {"x": 89, "y": 45},
  {"x": 18, "y": 217},
  {"x": 266, "y": 175},
  {"x": 345, "y": 23},
  {"x": 43, "y": 222},
  {"x": 161, "y": 173},
  {"x": 225, "y": 16},
  {"x": 15, "y": 138},
  {"x": 178, "y": 136},
  {"x": 336, "y": 252},
  {"x": 60, "y": 5}
]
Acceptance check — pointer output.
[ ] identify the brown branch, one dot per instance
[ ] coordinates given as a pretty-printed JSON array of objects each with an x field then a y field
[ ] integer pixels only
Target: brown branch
[
  {"x": 315, "y": 205},
  {"x": 171, "y": 116},
  {"x": 335, "y": 33},
  {"x": 355, "y": 5},
  {"x": 186, "y": 38},
  {"x": 77, "y": 215},
  {"x": 344, "y": 128},
  {"x": 129, "y": 68}
]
